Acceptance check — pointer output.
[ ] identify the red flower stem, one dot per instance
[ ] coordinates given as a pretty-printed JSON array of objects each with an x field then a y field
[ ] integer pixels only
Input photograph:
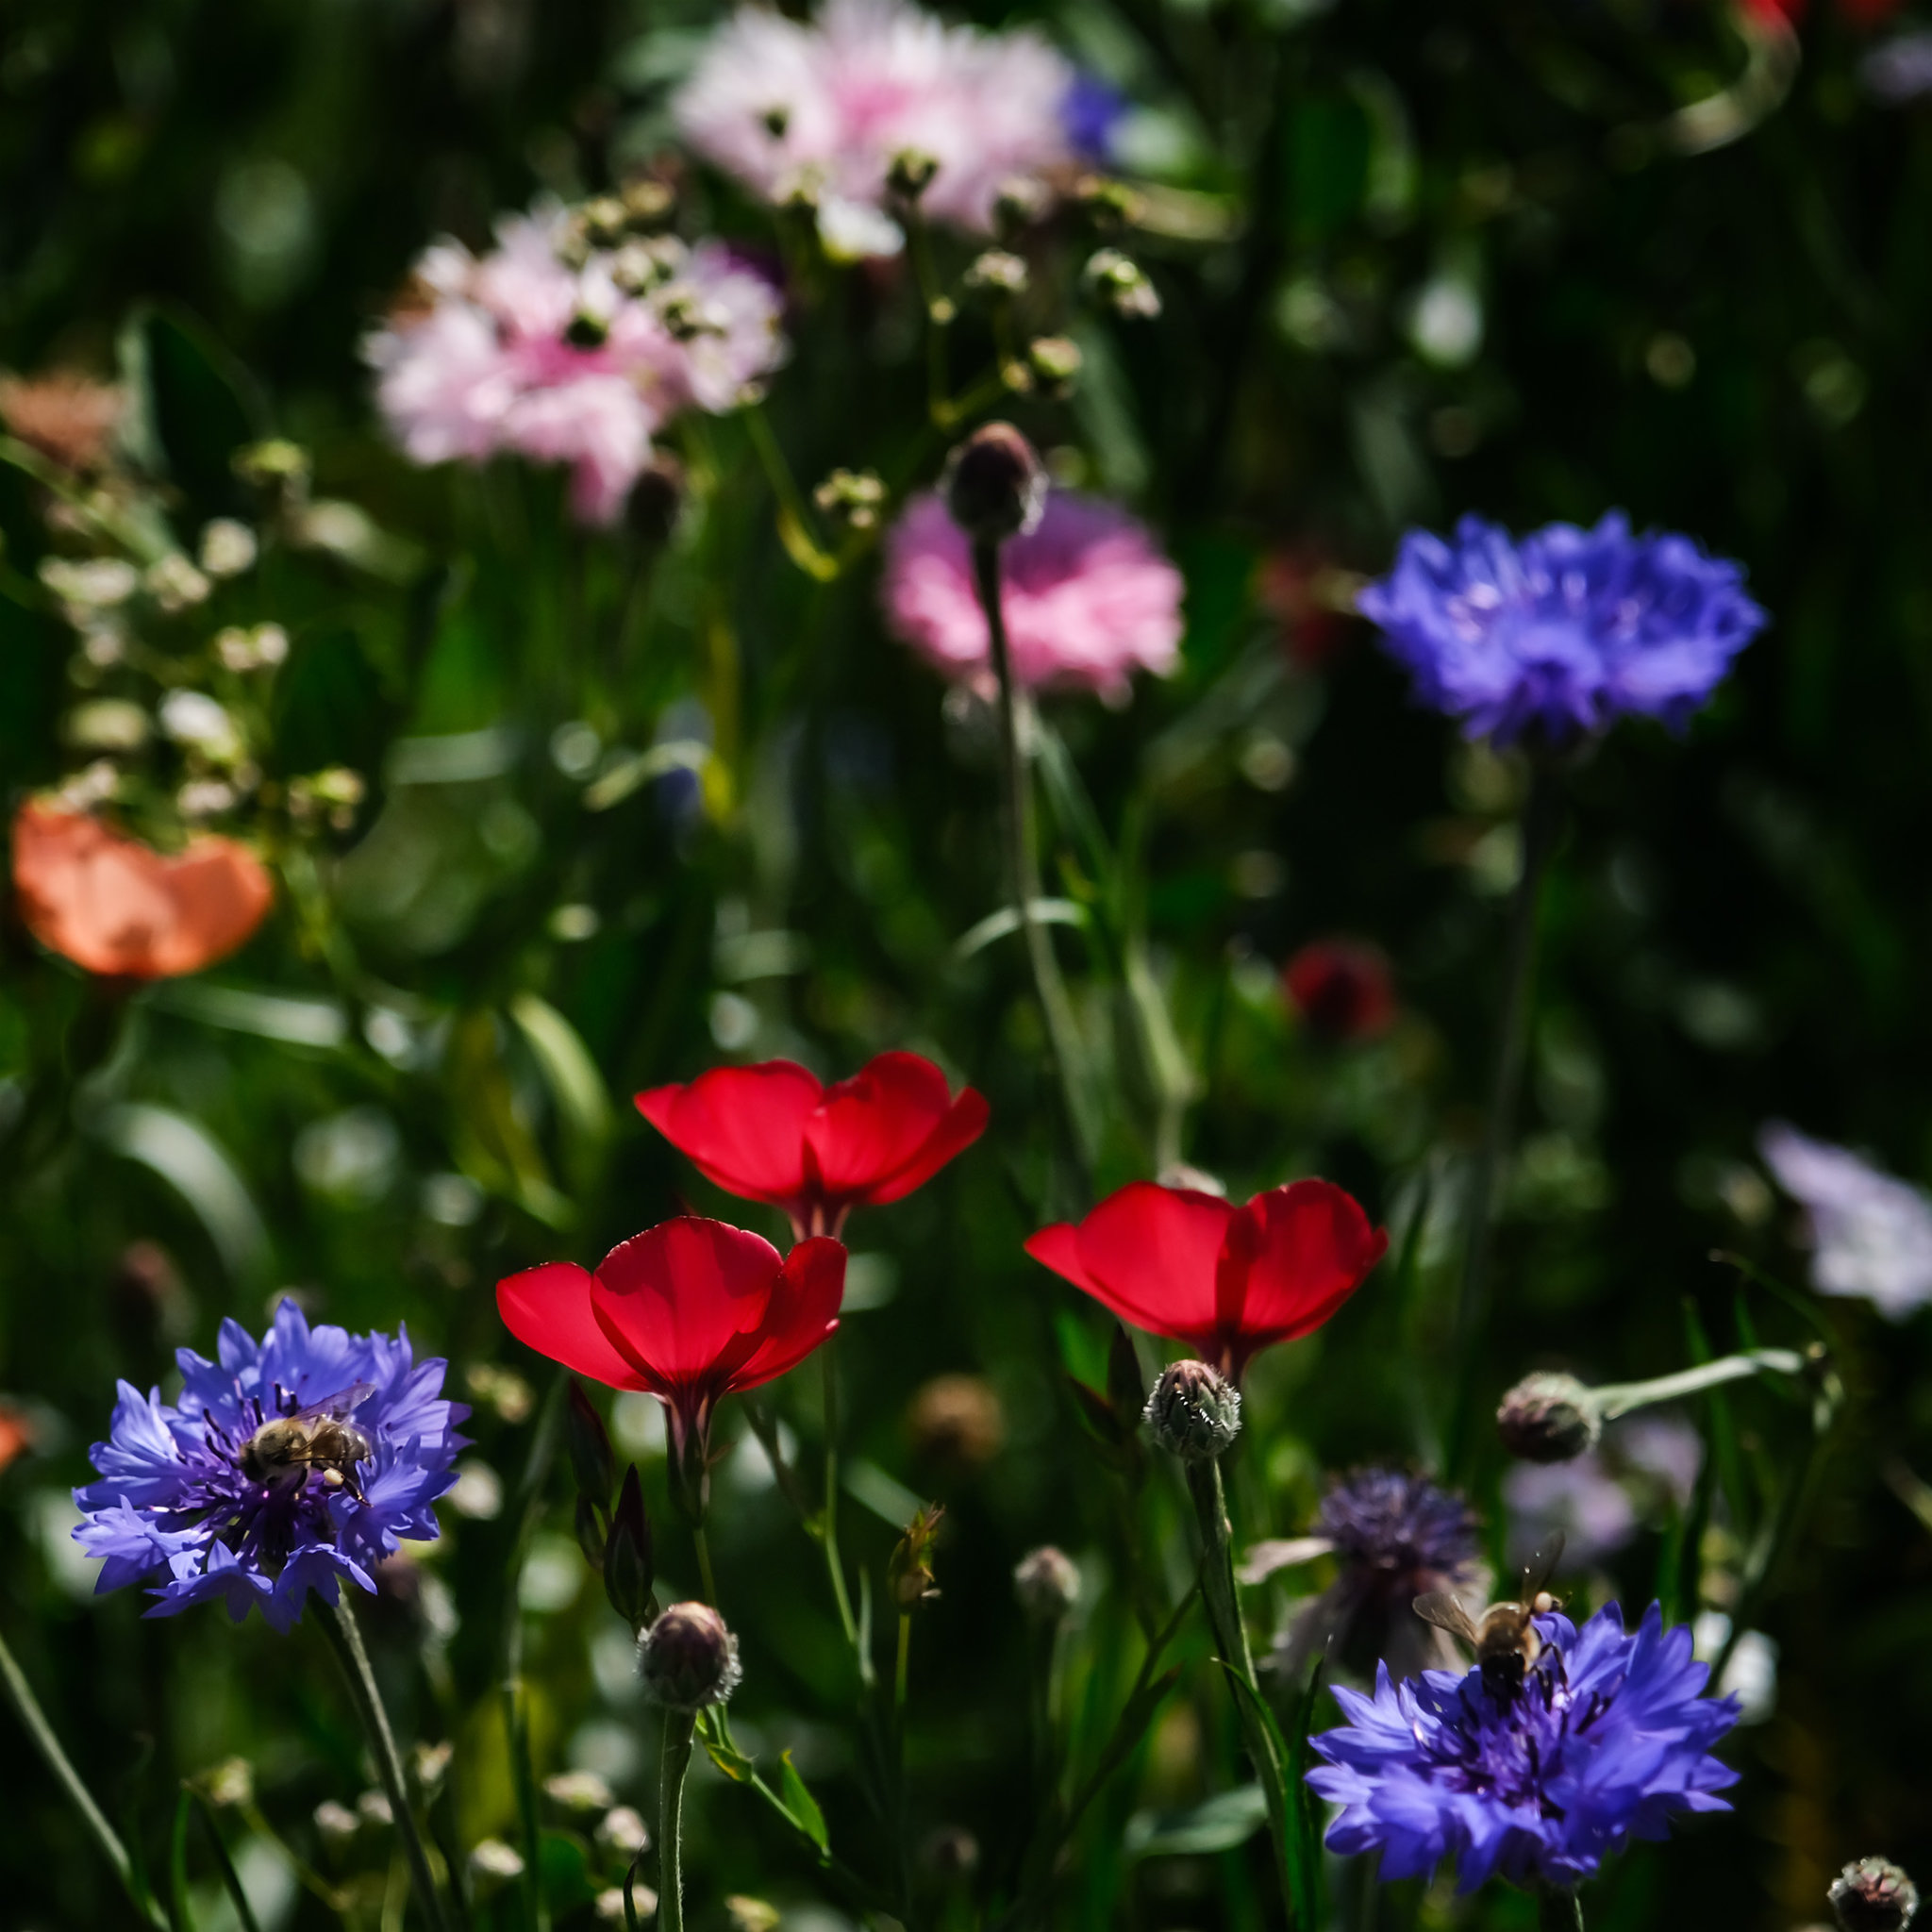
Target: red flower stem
[
  {"x": 1016, "y": 825},
  {"x": 1231, "y": 1637},
  {"x": 1542, "y": 819}
]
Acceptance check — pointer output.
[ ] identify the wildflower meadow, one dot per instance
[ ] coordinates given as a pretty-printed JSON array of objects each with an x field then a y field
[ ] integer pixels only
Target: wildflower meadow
[{"x": 964, "y": 971}]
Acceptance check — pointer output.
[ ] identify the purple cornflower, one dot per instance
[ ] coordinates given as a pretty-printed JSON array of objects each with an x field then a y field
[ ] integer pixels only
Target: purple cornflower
[
  {"x": 1609, "y": 1737},
  {"x": 1557, "y": 634},
  {"x": 1393, "y": 1535},
  {"x": 195, "y": 1500}
]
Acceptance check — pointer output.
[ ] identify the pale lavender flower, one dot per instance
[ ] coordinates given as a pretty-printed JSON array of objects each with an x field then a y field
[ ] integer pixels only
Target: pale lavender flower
[
  {"x": 1899, "y": 70},
  {"x": 1599, "y": 1499},
  {"x": 824, "y": 107},
  {"x": 1872, "y": 1233},
  {"x": 528, "y": 351}
]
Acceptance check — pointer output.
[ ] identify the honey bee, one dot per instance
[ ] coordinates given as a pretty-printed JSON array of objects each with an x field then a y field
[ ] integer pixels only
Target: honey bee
[
  {"x": 1504, "y": 1637},
  {"x": 285, "y": 1448}
]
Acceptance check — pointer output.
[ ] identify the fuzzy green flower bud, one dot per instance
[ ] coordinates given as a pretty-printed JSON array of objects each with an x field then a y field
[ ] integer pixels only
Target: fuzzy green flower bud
[
  {"x": 995, "y": 484},
  {"x": 688, "y": 1658},
  {"x": 1873, "y": 1896},
  {"x": 1195, "y": 1411},
  {"x": 1548, "y": 1418}
]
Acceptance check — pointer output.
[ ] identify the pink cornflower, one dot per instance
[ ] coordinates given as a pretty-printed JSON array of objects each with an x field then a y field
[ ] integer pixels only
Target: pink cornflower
[
  {"x": 824, "y": 109},
  {"x": 571, "y": 357},
  {"x": 1088, "y": 598}
]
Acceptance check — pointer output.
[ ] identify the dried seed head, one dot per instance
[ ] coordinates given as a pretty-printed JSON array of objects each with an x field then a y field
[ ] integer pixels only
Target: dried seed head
[
  {"x": 1548, "y": 1418},
  {"x": 688, "y": 1658},
  {"x": 1195, "y": 1411}
]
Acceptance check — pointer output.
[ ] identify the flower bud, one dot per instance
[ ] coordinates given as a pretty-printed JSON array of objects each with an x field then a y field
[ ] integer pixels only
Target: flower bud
[
  {"x": 590, "y": 1458},
  {"x": 995, "y": 484},
  {"x": 1020, "y": 201},
  {"x": 1121, "y": 282},
  {"x": 627, "y": 1565},
  {"x": 1873, "y": 1896},
  {"x": 578, "y": 1791},
  {"x": 1195, "y": 1411},
  {"x": 1548, "y": 1418},
  {"x": 908, "y": 1570},
  {"x": 688, "y": 1658},
  {"x": 592, "y": 1531},
  {"x": 647, "y": 202},
  {"x": 335, "y": 1823},
  {"x": 998, "y": 270},
  {"x": 1047, "y": 1584},
  {"x": 852, "y": 497},
  {"x": 910, "y": 173},
  {"x": 1055, "y": 363},
  {"x": 950, "y": 1852}
]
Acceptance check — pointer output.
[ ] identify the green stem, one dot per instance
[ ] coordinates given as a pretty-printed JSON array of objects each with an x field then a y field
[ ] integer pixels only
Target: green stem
[
  {"x": 829, "y": 1521},
  {"x": 346, "y": 1635},
  {"x": 1231, "y": 1636},
  {"x": 1558, "y": 1910},
  {"x": 1016, "y": 825},
  {"x": 1541, "y": 821},
  {"x": 703, "y": 1549},
  {"x": 678, "y": 1726},
  {"x": 1616, "y": 1399},
  {"x": 794, "y": 524},
  {"x": 901, "y": 1667},
  {"x": 34, "y": 1722}
]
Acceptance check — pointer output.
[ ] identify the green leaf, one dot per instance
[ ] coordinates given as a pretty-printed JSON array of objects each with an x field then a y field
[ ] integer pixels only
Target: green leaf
[
  {"x": 1217, "y": 1824},
  {"x": 193, "y": 406},
  {"x": 187, "y": 1157},
  {"x": 723, "y": 1752},
  {"x": 801, "y": 1807},
  {"x": 583, "y": 1107}
]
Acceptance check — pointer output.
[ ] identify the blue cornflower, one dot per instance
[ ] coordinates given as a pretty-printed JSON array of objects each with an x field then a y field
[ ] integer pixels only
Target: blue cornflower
[
  {"x": 1609, "y": 1736},
  {"x": 1090, "y": 111},
  {"x": 195, "y": 1500},
  {"x": 1561, "y": 633}
]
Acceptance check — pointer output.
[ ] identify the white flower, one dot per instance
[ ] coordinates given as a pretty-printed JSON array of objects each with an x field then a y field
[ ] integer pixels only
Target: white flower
[
  {"x": 174, "y": 583},
  {"x": 579, "y": 1790},
  {"x": 227, "y": 548},
  {"x": 195, "y": 719},
  {"x": 492, "y": 1859},
  {"x": 93, "y": 583},
  {"x": 1872, "y": 1233}
]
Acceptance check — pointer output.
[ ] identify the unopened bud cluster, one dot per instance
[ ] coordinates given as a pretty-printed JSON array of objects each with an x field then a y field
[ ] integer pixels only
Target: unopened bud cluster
[
  {"x": 1548, "y": 1418},
  {"x": 1119, "y": 281},
  {"x": 688, "y": 1658},
  {"x": 1195, "y": 1411},
  {"x": 852, "y": 497}
]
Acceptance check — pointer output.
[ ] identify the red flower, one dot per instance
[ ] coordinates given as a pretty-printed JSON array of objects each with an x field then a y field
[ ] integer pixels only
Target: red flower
[
  {"x": 773, "y": 1133},
  {"x": 689, "y": 1311},
  {"x": 1227, "y": 1281},
  {"x": 1342, "y": 988},
  {"x": 119, "y": 908}
]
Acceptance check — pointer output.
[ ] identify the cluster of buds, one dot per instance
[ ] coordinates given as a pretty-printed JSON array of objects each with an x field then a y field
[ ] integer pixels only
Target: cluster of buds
[
  {"x": 614, "y": 1538},
  {"x": 611, "y": 221},
  {"x": 997, "y": 271},
  {"x": 1021, "y": 202},
  {"x": 280, "y": 469},
  {"x": 252, "y": 648},
  {"x": 334, "y": 793},
  {"x": 910, "y": 175},
  {"x": 852, "y": 497},
  {"x": 1121, "y": 284}
]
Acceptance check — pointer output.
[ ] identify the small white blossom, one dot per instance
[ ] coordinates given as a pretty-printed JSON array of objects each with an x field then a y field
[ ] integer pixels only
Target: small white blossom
[
  {"x": 93, "y": 583},
  {"x": 195, "y": 719},
  {"x": 174, "y": 583},
  {"x": 227, "y": 548}
]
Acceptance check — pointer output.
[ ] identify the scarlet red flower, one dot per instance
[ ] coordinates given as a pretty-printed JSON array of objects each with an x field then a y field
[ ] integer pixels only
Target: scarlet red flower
[
  {"x": 1227, "y": 1281},
  {"x": 773, "y": 1133},
  {"x": 1342, "y": 988},
  {"x": 689, "y": 1311},
  {"x": 117, "y": 907}
]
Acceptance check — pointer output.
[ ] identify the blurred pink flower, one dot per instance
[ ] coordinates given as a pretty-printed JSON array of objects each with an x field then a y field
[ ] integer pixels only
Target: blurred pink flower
[
  {"x": 1088, "y": 598},
  {"x": 825, "y": 107},
  {"x": 1872, "y": 1233},
  {"x": 521, "y": 351}
]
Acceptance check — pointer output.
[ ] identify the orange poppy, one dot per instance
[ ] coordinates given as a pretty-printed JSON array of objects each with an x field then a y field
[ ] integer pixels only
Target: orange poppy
[{"x": 117, "y": 907}]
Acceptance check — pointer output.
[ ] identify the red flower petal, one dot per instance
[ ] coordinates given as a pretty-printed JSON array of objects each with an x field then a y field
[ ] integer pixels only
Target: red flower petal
[
  {"x": 1148, "y": 1253},
  {"x": 889, "y": 1129},
  {"x": 744, "y": 1126},
  {"x": 1291, "y": 1257},
  {"x": 116, "y": 906},
  {"x": 685, "y": 1302},
  {"x": 803, "y": 1311},
  {"x": 548, "y": 1308}
]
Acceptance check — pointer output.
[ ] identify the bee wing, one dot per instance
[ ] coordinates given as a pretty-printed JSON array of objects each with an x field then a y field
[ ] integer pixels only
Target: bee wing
[
  {"x": 337, "y": 1408},
  {"x": 1541, "y": 1565},
  {"x": 1446, "y": 1612}
]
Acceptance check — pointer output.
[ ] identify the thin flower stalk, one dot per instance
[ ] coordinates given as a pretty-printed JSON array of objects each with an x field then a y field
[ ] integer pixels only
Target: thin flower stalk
[
  {"x": 33, "y": 1721},
  {"x": 679, "y": 1727},
  {"x": 345, "y": 1634},
  {"x": 1016, "y": 825}
]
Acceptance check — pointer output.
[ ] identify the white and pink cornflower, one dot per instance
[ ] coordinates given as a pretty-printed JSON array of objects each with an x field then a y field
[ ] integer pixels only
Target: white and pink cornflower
[
  {"x": 1087, "y": 596},
  {"x": 564, "y": 354},
  {"x": 821, "y": 110}
]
